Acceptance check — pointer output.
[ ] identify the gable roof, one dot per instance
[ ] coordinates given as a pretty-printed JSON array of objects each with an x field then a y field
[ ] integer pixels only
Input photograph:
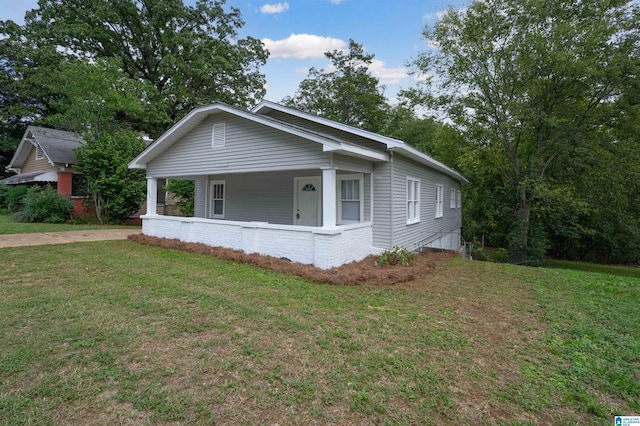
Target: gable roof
[
  {"x": 57, "y": 145},
  {"x": 199, "y": 114},
  {"x": 391, "y": 144},
  {"x": 330, "y": 142}
]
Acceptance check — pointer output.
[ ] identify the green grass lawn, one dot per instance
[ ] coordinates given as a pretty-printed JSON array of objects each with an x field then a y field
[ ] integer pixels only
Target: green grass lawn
[
  {"x": 10, "y": 226},
  {"x": 119, "y": 333}
]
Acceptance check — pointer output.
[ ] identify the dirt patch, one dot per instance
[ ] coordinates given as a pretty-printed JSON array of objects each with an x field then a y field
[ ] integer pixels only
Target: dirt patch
[{"x": 366, "y": 271}]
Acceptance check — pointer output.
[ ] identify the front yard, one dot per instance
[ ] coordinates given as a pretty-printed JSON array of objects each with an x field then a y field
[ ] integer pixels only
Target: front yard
[
  {"x": 10, "y": 226},
  {"x": 120, "y": 333}
]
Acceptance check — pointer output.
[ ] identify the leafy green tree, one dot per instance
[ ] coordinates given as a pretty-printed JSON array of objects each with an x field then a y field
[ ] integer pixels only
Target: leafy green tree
[
  {"x": 117, "y": 190},
  {"x": 526, "y": 81},
  {"x": 184, "y": 190},
  {"x": 346, "y": 92},
  {"x": 189, "y": 55}
]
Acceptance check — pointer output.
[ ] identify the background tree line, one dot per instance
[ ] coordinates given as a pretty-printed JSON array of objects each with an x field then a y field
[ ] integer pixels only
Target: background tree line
[{"x": 537, "y": 104}]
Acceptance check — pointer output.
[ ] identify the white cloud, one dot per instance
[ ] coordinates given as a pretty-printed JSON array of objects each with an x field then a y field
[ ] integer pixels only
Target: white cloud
[
  {"x": 392, "y": 76},
  {"x": 274, "y": 8},
  {"x": 436, "y": 16},
  {"x": 336, "y": 1},
  {"x": 302, "y": 46}
]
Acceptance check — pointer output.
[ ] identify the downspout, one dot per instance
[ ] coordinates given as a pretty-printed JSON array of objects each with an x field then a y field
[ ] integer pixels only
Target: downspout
[{"x": 391, "y": 177}]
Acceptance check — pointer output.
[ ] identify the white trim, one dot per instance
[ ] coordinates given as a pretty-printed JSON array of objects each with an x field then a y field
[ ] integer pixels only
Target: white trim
[
  {"x": 354, "y": 176},
  {"x": 452, "y": 199},
  {"x": 318, "y": 182},
  {"x": 412, "y": 206},
  {"x": 439, "y": 200},
  {"x": 212, "y": 185}
]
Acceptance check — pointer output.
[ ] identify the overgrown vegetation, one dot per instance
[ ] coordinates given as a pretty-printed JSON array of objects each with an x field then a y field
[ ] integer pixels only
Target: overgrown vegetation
[
  {"x": 106, "y": 331},
  {"x": 43, "y": 205}
]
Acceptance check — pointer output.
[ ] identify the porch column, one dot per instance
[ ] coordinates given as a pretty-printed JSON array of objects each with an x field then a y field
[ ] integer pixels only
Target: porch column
[
  {"x": 329, "y": 197},
  {"x": 152, "y": 195}
]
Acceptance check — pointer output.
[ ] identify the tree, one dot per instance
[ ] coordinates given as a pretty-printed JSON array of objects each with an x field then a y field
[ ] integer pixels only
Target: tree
[
  {"x": 189, "y": 55},
  {"x": 117, "y": 190},
  {"x": 528, "y": 80},
  {"x": 347, "y": 92}
]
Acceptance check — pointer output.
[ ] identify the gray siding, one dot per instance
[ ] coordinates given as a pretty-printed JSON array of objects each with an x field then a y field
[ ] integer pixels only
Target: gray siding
[
  {"x": 261, "y": 197},
  {"x": 248, "y": 146},
  {"x": 352, "y": 164},
  {"x": 382, "y": 205},
  {"x": 200, "y": 197},
  {"x": 345, "y": 136},
  {"x": 409, "y": 236}
]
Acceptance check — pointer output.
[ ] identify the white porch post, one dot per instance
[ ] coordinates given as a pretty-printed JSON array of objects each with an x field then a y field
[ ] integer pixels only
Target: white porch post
[
  {"x": 152, "y": 195},
  {"x": 329, "y": 198}
]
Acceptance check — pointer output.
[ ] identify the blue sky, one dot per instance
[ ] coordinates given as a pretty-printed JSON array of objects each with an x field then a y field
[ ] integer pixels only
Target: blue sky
[{"x": 298, "y": 32}]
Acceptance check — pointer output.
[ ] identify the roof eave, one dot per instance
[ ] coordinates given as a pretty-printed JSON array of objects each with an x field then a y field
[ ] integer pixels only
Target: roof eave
[
  {"x": 423, "y": 158},
  {"x": 267, "y": 106}
]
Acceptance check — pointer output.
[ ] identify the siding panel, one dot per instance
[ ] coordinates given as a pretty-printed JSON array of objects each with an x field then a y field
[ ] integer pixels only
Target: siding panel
[
  {"x": 33, "y": 165},
  {"x": 248, "y": 146},
  {"x": 345, "y": 136},
  {"x": 409, "y": 236},
  {"x": 382, "y": 205}
]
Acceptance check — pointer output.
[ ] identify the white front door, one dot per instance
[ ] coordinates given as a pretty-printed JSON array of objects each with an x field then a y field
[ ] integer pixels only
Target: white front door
[{"x": 306, "y": 208}]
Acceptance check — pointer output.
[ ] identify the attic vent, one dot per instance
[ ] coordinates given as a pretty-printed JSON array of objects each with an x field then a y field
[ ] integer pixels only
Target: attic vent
[
  {"x": 218, "y": 135},
  {"x": 39, "y": 152}
]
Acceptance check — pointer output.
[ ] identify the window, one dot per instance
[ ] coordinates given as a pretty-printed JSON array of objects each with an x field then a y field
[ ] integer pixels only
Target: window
[
  {"x": 452, "y": 199},
  {"x": 39, "y": 152},
  {"x": 218, "y": 135},
  {"x": 217, "y": 199},
  {"x": 459, "y": 199},
  {"x": 439, "y": 196},
  {"x": 350, "y": 206},
  {"x": 79, "y": 186},
  {"x": 413, "y": 200}
]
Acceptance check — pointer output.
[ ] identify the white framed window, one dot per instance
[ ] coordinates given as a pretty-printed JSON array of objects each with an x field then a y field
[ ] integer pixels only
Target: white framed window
[
  {"x": 452, "y": 199},
  {"x": 459, "y": 199},
  {"x": 439, "y": 200},
  {"x": 39, "y": 152},
  {"x": 413, "y": 200},
  {"x": 218, "y": 135},
  {"x": 350, "y": 198},
  {"x": 217, "y": 192}
]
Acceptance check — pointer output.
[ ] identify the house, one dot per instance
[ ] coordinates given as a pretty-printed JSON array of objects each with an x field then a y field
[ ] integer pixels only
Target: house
[
  {"x": 46, "y": 156},
  {"x": 281, "y": 182}
]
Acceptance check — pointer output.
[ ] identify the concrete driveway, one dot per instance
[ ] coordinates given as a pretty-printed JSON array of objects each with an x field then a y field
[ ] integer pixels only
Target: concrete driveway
[{"x": 40, "y": 238}]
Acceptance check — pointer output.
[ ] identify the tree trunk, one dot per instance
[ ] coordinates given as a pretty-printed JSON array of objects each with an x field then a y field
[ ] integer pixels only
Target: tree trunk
[{"x": 523, "y": 214}]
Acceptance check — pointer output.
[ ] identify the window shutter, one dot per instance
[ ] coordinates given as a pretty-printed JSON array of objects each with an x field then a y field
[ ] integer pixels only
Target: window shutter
[{"x": 218, "y": 135}]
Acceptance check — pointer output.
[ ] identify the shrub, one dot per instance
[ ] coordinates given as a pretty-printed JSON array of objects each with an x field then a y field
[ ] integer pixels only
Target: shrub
[
  {"x": 501, "y": 255},
  {"x": 44, "y": 205},
  {"x": 396, "y": 256},
  {"x": 11, "y": 197}
]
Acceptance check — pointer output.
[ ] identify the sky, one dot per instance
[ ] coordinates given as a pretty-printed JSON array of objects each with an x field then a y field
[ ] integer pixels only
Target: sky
[{"x": 298, "y": 32}]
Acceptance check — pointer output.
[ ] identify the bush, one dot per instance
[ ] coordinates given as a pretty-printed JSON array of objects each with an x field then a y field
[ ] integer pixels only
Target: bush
[
  {"x": 11, "y": 197},
  {"x": 396, "y": 256},
  {"x": 44, "y": 205}
]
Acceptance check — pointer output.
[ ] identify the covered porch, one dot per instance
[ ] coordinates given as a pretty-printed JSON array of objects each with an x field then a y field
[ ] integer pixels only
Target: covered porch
[{"x": 314, "y": 216}]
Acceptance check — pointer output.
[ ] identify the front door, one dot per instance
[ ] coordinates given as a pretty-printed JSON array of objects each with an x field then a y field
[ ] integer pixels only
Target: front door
[{"x": 306, "y": 209}]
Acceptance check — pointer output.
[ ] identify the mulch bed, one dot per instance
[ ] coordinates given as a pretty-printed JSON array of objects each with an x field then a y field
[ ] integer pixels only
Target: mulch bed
[{"x": 365, "y": 271}]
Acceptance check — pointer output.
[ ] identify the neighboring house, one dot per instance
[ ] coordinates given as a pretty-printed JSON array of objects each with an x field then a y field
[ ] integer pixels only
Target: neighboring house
[
  {"x": 280, "y": 182},
  {"x": 46, "y": 156}
]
